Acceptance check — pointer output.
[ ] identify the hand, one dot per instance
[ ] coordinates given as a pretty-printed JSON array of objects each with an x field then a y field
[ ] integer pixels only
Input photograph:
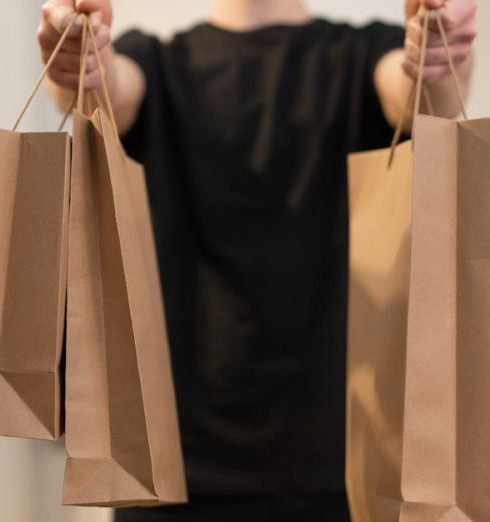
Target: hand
[
  {"x": 459, "y": 20},
  {"x": 56, "y": 15}
]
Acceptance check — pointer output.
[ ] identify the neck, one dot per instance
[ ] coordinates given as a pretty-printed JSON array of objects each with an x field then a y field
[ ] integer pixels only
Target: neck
[{"x": 245, "y": 15}]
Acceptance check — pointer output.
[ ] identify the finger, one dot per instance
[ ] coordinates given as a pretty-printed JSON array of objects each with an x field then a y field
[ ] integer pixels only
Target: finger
[
  {"x": 455, "y": 13},
  {"x": 96, "y": 20},
  {"x": 102, "y": 37},
  {"x": 411, "y": 8},
  {"x": 49, "y": 40},
  {"x": 93, "y": 80},
  {"x": 430, "y": 75},
  {"x": 70, "y": 80},
  {"x": 48, "y": 37},
  {"x": 46, "y": 26},
  {"x": 91, "y": 6},
  {"x": 464, "y": 33},
  {"x": 76, "y": 29},
  {"x": 70, "y": 62},
  {"x": 434, "y": 4},
  {"x": 58, "y": 15},
  {"x": 438, "y": 56}
]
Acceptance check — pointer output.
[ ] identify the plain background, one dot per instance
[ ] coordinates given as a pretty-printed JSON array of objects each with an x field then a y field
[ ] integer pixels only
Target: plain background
[{"x": 31, "y": 472}]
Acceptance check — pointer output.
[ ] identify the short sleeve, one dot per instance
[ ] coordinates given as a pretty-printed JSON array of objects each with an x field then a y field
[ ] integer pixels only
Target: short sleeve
[
  {"x": 380, "y": 39},
  {"x": 373, "y": 43}
]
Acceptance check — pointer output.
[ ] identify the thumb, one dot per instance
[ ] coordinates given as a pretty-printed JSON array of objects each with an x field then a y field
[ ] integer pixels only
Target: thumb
[
  {"x": 92, "y": 6},
  {"x": 433, "y": 4},
  {"x": 58, "y": 13},
  {"x": 412, "y": 6}
]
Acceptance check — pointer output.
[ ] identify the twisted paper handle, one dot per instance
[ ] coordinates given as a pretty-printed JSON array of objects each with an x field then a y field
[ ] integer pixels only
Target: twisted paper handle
[
  {"x": 88, "y": 35},
  {"x": 417, "y": 88},
  {"x": 43, "y": 74}
]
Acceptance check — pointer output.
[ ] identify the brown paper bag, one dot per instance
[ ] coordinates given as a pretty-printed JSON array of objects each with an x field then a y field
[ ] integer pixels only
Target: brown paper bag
[
  {"x": 418, "y": 414},
  {"x": 122, "y": 433},
  {"x": 34, "y": 187}
]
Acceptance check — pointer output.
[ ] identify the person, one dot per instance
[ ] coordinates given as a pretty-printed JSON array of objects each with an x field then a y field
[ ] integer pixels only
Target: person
[{"x": 243, "y": 124}]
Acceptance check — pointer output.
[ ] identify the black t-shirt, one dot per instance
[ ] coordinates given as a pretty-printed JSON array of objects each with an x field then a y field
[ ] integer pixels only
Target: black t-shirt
[{"x": 244, "y": 138}]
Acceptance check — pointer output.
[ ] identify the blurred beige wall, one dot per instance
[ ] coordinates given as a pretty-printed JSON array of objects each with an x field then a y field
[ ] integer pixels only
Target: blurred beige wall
[
  {"x": 167, "y": 16},
  {"x": 31, "y": 472}
]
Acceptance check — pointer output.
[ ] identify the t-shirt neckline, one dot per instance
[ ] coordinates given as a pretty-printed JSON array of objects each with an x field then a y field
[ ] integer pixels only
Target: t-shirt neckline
[{"x": 263, "y": 28}]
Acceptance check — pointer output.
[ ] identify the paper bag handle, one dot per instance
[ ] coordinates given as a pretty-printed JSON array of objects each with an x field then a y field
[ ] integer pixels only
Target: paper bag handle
[
  {"x": 418, "y": 86},
  {"x": 43, "y": 74},
  {"x": 88, "y": 35}
]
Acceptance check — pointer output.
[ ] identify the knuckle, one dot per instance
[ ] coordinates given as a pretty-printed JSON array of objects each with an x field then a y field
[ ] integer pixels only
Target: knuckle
[
  {"x": 472, "y": 32},
  {"x": 449, "y": 21},
  {"x": 93, "y": 80},
  {"x": 103, "y": 39},
  {"x": 412, "y": 49},
  {"x": 410, "y": 68},
  {"x": 459, "y": 58},
  {"x": 414, "y": 30},
  {"x": 41, "y": 35},
  {"x": 91, "y": 63},
  {"x": 433, "y": 39},
  {"x": 53, "y": 74},
  {"x": 45, "y": 56},
  {"x": 431, "y": 57},
  {"x": 463, "y": 53},
  {"x": 46, "y": 8}
]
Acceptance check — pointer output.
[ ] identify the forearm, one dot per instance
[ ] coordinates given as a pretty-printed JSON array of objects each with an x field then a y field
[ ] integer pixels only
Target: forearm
[
  {"x": 393, "y": 86},
  {"x": 126, "y": 85}
]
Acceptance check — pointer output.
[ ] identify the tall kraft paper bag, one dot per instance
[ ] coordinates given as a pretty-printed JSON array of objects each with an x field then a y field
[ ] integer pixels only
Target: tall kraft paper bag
[
  {"x": 418, "y": 418},
  {"x": 34, "y": 189},
  {"x": 122, "y": 434}
]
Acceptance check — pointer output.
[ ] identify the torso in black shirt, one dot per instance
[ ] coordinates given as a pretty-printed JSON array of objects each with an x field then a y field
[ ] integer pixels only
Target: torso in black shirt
[{"x": 244, "y": 138}]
